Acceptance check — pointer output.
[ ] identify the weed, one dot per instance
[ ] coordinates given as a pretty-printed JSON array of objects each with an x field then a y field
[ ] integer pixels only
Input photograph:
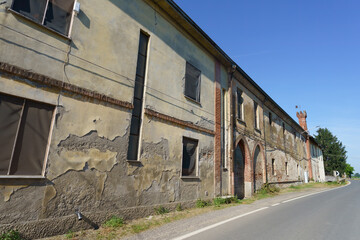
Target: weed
[
  {"x": 10, "y": 235},
  {"x": 202, "y": 203},
  {"x": 161, "y": 210},
  {"x": 70, "y": 234},
  {"x": 219, "y": 201},
  {"x": 268, "y": 188},
  {"x": 179, "y": 207},
  {"x": 114, "y": 222}
]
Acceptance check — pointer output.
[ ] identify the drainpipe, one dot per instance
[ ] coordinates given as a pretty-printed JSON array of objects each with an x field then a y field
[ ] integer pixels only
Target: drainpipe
[
  {"x": 266, "y": 172},
  {"x": 231, "y": 129}
]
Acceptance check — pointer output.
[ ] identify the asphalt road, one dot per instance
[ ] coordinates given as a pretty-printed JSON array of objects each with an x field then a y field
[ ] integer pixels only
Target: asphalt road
[{"x": 330, "y": 214}]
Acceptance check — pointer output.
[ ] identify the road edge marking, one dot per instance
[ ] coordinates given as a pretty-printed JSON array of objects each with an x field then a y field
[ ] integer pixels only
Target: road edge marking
[{"x": 217, "y": 224}]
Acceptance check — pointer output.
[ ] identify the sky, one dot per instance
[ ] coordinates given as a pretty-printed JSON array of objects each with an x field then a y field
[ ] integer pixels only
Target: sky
[{"x": 303, "y": 53}]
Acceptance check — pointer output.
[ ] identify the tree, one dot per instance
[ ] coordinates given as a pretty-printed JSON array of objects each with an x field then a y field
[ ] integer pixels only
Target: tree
[
  {"x": 349, "y": 170},
  {"x": 334, "y": 152},
  {"x": 357, "y": 175}
]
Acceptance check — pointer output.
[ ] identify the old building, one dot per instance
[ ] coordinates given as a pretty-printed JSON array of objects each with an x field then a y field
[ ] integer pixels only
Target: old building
[{"x": 119, "y": 110}]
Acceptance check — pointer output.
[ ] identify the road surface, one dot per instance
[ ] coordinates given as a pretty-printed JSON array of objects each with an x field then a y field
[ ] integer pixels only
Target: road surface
[{"x": 330, "y": 214}]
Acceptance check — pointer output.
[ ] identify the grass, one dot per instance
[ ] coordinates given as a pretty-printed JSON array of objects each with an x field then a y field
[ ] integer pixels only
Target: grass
[
  {"x": 115, "y": 227},
  {"x": 10, "y": 235},
  {"x": 161, "y": 210},
  {"x": 114, "y": 222}
]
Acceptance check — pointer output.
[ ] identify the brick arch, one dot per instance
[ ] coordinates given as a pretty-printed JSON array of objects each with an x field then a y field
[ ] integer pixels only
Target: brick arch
[
  {"x": 242, "y": 143},
  {"x": 259, "y": 175}
]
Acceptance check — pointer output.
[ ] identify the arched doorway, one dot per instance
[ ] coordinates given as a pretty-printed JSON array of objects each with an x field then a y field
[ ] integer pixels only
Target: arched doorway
[
  {"x": 258, "y": 169},
  {"x": 239, "y": 168}
]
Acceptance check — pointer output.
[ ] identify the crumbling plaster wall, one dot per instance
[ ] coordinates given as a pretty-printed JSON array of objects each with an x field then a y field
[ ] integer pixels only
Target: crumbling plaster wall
[
  {"x": 87, "y": 167},
  {"x": 286, "y": 147}
]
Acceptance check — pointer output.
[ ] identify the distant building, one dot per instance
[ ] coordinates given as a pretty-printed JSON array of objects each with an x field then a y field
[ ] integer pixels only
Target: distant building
[{"x": 119, "y": 106}]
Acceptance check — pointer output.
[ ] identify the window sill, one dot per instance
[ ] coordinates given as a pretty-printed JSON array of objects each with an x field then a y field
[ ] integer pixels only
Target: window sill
[
  {"x": 21, "y": 177},
  {"x": 133, "y": 161},
  {"x": 39, "y": 25},
  {"x": 241, "y": 121},
  {"x": 192, "y": 100},
  {"x": 190, "y": 178}
]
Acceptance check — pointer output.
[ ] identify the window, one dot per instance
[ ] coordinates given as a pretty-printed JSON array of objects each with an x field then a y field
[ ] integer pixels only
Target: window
[
  {"x": 189, "y": 159},
  {"x": 273, "y": 167},
  {"x": 240, "y": 112},
  {"x": 54, "y": 14},
  {"x": 283, "y": 128},
  {"x": 24, "y": 132},
  {"x": 192, "y": 82},
  {"x": 270, "y": 118},
  {"x": 286, "y": 169},
  {"x": 256, "y": 115},
  {"x": 132, "y": 153}
]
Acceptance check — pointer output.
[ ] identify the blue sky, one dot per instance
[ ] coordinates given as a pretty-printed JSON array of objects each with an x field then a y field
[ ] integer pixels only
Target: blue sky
[{"x": 301, "y": 52}]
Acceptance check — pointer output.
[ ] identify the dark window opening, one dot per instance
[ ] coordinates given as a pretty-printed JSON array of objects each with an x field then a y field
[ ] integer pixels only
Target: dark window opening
[
  {"x": 270, "y": 118},
  {"x": 286, "y": 168},
  {"x": 256, "y": 119},
  {"x": 133, "y": 148},
  {"x": 189, "y": 157},
  {"x": 283, "y": 128},
  {"x": 54, "y": 14},
  {"x": 24, "y": 132},
  {"x": 273, "y": 167},
  {"x": 239, "y": 104},
  {"x": 192, "y": 82}
]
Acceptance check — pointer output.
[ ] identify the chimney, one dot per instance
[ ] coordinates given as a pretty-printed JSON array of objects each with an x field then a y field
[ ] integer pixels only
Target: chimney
[
  {"x": 302, "y": 119},
  {"x": 302, "y": 122}
]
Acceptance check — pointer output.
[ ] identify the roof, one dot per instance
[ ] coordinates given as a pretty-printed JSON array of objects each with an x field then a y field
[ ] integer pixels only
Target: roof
[{"x": 179, "y": 16}]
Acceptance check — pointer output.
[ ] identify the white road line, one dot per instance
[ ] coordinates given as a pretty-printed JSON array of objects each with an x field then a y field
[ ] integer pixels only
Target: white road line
[
  {"x": 217, "y": 224},
  {"x": 245, "y": 214},
  {"x": 313, "y": 193}
]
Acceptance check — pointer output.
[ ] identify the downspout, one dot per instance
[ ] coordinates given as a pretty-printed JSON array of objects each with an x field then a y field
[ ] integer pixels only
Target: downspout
[
  {"x": 231, "y": 129},
  {"x": 266, "y": 172}
]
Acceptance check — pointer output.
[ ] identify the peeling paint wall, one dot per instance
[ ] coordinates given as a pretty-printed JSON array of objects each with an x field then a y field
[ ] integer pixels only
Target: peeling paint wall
[
  {"x": 87, "y": 167},
  {"x": 277, "y": 141}
]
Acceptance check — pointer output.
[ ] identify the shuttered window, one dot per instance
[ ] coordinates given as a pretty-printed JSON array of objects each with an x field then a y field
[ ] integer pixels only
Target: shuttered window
[
  {"x": 54, "y": 14},
  {"x": 192, "y": 82},
  {"x": 189, "y": 160},
  {"x": 24, "y": 132}
]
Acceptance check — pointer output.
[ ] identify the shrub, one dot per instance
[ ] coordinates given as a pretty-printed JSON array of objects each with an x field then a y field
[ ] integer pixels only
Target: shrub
[
  {"x": 161, "y": 210},
  {"x": 10, "y": 235},
  {"x": 179, "y": 207},
  {"x": 268, "y": 188},
  {"x": 114, "y": 222},
  {"x": 202, "y": 203}
]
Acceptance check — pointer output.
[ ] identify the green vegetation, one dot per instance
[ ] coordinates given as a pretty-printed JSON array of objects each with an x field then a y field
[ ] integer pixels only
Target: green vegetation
[
  {"x": 178, "y": 207},
  {"x": 202, "y": 203},
  {"x": 10, "y": 235},
  {"x": 334, "y": 152},
  {"x": 161, "y": 210},
  {"x": 349, "y": 170},
  {"x": 70, "y": 234},
  {"x": 114, "y": 222},
  {"x": 115, "y": 227}
]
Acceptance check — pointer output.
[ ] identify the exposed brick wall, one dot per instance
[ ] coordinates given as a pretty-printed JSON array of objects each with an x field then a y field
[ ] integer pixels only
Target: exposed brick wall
[
  {"x": 302, "y": 122},
  {"x": 60, "y": 85},
  {"x": 177, "y": 121}
]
